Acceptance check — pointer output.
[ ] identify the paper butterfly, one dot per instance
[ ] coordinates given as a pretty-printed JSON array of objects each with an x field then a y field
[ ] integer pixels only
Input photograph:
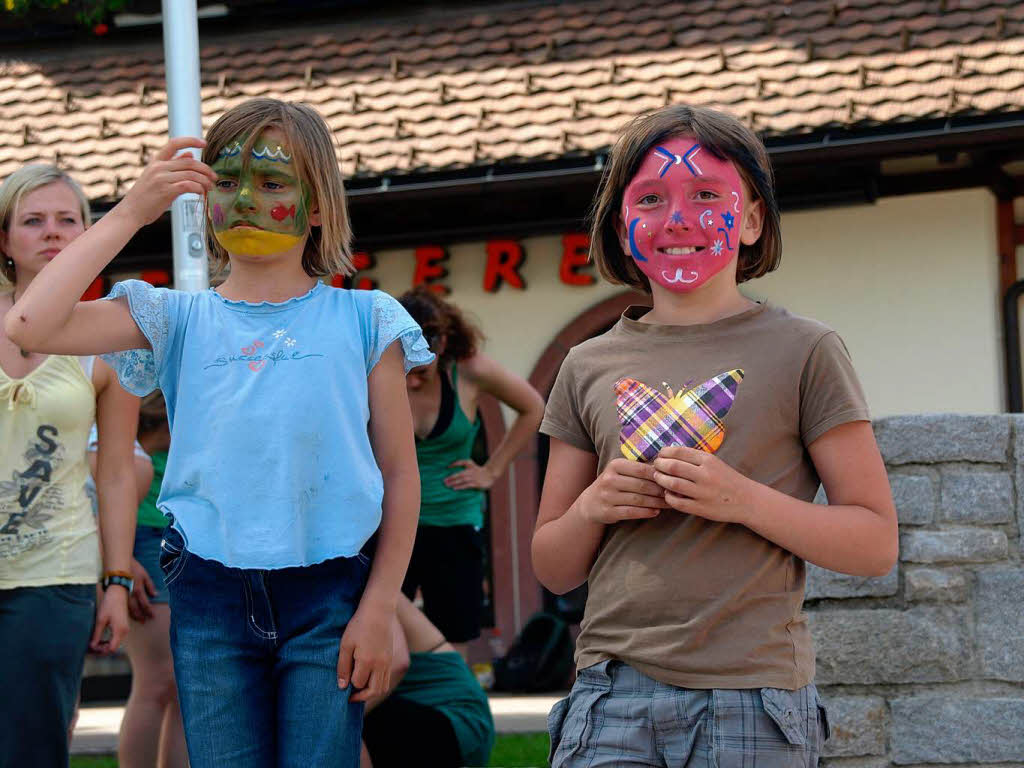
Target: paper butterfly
[{"x": 652, "y": 420}]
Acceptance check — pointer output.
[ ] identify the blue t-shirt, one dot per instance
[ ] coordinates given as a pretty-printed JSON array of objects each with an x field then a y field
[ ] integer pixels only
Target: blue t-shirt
[{"x": 270, "y": 464}]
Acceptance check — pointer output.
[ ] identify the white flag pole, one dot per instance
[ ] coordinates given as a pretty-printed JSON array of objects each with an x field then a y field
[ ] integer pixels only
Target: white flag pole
[{"x": 184, "y": 113}]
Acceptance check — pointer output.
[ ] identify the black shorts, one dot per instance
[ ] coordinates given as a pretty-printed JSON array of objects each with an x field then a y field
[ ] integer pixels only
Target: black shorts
[
  {"x": 447, "y": 565},
  {"x": 399, "y": 733}
]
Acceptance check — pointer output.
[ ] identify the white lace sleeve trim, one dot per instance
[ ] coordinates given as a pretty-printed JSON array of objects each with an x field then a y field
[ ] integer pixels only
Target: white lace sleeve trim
[
  {"x": 137, "y": 369},
  {"x": 391, "y": 322}
]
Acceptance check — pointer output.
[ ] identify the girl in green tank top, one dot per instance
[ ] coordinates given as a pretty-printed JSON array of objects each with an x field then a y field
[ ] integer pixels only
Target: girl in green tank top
[{"x": 447, "y": 560}]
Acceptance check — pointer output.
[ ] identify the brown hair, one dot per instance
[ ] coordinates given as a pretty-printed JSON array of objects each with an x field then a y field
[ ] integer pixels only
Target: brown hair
[
  {"x": 439, "y": 318},
  {"x": 152, "y": 412},
  {"x": 720, "y": 134},
  {"x": 328, "y": 249},
  {"x": 27, "y": 179}
]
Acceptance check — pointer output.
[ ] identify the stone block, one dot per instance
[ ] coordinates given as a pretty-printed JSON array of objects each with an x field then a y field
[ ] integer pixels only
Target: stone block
[
  {"x": 1018, "y": 453},
  {"x": 855, "y": 762},
  {"x": 925, "y": 644},
  {"x": 914, "y": 498},
  {"x": 976, "y": 497},
  {"x": 859, "y": 725},
  {"x": 999, "y": 601},
  {"x": 955, "y": 730},
  {"x": 932, "y": 438},
  {"x": 935, "y": 585},
  {"x": 825, "y": 583},
  {"x": 962, "y": 545}
]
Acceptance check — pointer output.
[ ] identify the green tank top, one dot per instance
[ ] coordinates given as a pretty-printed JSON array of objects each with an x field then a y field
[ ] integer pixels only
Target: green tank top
[
  {"x": 443, "y": 682},
  {"x": 148, "y": 512},
  {"x": 439, "y": 504}
]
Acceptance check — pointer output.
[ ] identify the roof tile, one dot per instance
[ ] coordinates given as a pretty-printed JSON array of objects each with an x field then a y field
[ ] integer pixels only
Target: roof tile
[{"x": 531, "y": 82}]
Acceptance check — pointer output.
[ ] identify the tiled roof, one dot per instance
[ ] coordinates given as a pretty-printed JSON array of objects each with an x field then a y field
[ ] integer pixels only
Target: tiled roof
[{"x": 531, "y": 82}]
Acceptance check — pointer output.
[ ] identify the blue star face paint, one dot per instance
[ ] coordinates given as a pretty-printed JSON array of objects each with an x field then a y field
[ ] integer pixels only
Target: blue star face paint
[{"x": 681, "y": 211}]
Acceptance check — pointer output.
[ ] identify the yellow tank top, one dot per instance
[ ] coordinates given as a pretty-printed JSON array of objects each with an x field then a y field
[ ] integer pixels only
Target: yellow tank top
[{"x": 47, "y": 529}]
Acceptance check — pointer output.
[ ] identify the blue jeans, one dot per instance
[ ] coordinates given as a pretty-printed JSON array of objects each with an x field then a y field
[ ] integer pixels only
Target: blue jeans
[
  {"x": 255, "y": 657},
  {"x": 44, "y": 634}
]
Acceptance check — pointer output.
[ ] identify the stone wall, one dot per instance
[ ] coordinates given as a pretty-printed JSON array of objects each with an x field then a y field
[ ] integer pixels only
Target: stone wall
[{"x": 925, "y": 666}]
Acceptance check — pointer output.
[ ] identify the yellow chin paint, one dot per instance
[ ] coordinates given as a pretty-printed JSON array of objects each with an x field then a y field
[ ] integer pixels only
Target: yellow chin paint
[{"x": 255, "y": 242}]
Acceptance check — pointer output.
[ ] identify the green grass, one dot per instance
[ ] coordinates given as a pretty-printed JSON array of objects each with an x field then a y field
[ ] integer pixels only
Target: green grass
[
  {"x": 512, "y": 750},
  {"x": 80, "y": 761},
  {"x": 515, "y": 750}
]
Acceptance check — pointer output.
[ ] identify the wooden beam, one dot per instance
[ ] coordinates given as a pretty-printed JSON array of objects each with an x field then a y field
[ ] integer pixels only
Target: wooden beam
[{"x": 1009, "y": 235}]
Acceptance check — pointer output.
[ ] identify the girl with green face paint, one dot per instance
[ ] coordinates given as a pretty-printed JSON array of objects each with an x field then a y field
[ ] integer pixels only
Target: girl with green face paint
[
  {"x": 258, "y": 206},
  {"x": 272, "y": 501}
]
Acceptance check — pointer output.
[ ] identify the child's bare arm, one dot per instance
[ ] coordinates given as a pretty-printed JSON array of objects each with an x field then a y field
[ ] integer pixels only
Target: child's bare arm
[
  {"x": 117, "y": 415},
  {"x": 515, "y": 392},
  {"x": 365, "y": 655},
  {"x": 575, "y": 508},
  {"x": 49, "y": 317},
  {"x": 856, "y": 533}
]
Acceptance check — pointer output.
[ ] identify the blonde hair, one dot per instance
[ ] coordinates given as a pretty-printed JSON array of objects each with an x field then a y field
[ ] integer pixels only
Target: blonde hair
[
  {"x": 328, "y": 250},
  {"x": 27, "y": 179}
]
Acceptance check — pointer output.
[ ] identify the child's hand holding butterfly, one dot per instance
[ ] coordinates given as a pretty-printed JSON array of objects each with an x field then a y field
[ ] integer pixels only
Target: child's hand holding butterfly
[
  {"x": 625, "y": 490},
  {"x": 700, "y": 483},
  {"x": 166, "y": 177}
]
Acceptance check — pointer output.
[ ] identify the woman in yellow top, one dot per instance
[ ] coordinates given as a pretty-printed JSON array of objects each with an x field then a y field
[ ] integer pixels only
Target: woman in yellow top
[{"x": 49, "y": 552}]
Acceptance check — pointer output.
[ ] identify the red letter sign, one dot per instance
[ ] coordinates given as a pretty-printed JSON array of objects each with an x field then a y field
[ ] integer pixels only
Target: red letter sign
[
  {"x": 575, "y": 250},
  {"x": 361, "y": 260},
  {"x": 503, "y": 260},
  {"x": 429, "y": 271}
]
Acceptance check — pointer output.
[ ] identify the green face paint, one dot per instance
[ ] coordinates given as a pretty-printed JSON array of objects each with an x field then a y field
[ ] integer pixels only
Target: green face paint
[{"x": 258, "y": 206}]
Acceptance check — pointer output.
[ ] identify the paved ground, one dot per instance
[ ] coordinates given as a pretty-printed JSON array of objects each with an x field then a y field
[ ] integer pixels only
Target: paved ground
[{"x": 96, "y": 732}]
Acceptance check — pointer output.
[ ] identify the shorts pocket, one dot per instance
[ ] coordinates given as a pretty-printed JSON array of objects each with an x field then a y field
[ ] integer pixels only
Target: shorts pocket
[
  {"x": 788, "y": 710},
  {"x": 824, "y": 726},
  {"x": 578, "y": 721},
  {"x": 766, "y": 727},
  {"x": 173, "y": 555},
  {"x": 555, "y": 719}
]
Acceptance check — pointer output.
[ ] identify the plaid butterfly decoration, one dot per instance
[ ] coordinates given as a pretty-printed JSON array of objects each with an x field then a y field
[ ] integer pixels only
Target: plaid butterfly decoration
[{"x": 652, "y": 420}]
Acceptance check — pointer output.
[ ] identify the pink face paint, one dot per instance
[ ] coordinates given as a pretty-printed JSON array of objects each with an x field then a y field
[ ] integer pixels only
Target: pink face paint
[
  {"x": 680, "y": 184},
  {"x": 218, "y": 215}
]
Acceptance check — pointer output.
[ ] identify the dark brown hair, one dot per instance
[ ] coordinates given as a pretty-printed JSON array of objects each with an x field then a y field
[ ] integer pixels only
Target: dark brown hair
[
  {"x": 328, "y": 249},
  {"x": 152, "y": 412},
  {"x": 720, "y": 134},
  {"x": 439, "y": 318}
]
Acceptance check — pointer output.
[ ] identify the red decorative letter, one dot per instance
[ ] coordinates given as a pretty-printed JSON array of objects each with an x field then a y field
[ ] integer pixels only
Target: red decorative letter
[
  {"x": 156, "y": 277},
  {"x": 429, "y": 271},
  {"x": 575, "y": 250},
  {"x": 503, "y": 260},
  {"x": 96, "y": 290},
  {"x": 361, "y": 260}
]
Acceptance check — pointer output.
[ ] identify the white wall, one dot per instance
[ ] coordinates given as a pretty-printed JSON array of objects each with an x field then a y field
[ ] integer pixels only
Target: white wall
[
  {"x": 912, "y": 286},
  {"x": 911, "y": 283}
]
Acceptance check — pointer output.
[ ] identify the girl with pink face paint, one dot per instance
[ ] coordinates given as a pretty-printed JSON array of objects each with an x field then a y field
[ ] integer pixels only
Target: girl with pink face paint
[
  {"x": 687, "y": 445},
  {"x": 683, "y": 215}
]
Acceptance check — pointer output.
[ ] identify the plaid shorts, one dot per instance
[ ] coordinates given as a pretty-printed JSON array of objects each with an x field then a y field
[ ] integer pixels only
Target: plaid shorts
[{"x": 617, "y": 716}]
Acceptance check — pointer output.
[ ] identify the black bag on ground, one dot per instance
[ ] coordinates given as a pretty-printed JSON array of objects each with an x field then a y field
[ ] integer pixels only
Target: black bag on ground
[{"x": 539, "y": 660}]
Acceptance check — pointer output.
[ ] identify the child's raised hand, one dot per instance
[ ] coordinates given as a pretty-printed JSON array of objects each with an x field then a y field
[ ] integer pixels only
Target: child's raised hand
[
  {"x": 167, "y": 176},
  {"x": 625, "y": 490},
  {"x": 700, "y": 483}
]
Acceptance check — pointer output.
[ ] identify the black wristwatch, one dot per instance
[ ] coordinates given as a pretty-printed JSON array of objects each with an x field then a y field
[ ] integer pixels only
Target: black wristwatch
[{"x": 119, "y": 579}]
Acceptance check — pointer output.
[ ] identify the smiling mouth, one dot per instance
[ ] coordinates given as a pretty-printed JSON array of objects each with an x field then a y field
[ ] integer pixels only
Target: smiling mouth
[{"x": 687, "y": 251}]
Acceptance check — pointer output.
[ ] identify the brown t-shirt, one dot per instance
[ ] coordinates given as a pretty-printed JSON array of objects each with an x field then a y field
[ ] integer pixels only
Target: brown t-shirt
[{"x": 687, "y": 601}]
